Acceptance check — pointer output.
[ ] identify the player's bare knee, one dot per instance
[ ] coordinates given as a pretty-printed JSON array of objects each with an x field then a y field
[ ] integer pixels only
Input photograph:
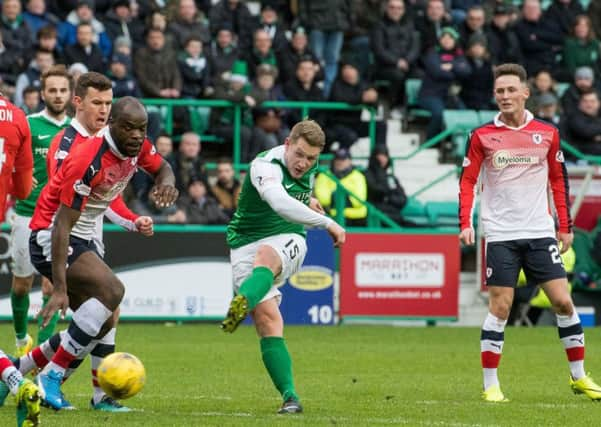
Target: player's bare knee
[
  {"x": 21, "y": 286},
  {"x": 113, "y": 294},
  {"x": 267, "y": 257},
  {"x": 564, "y": 307}
]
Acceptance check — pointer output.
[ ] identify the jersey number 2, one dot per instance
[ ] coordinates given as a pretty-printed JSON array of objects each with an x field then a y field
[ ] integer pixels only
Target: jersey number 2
[{"x": 555, "y": 257}]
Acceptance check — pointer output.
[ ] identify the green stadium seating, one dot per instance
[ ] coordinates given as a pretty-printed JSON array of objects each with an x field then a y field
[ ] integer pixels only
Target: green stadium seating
[
  {"x": 561, "y": 88},
  {"x": 463, "y": 121},
  {"x": 443, "y": 213},
  {"x": 412, "y": 87},
  {"x": 199, "y": 119},
  {"x": 486, "y": 116},
  {"x": 415, "y": 211}
]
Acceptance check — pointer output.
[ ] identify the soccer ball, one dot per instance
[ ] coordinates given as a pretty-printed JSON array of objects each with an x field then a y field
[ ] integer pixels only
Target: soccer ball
[{"x": 121, "y": 375}]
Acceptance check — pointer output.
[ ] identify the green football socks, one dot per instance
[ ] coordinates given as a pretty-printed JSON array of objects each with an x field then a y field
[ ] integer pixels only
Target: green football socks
[
  {"x": 45, "y": 333},
  {"x": 279, "y": 365},
  {"x": 20, "y": 306},
  {"x": 256, "y": 286}
]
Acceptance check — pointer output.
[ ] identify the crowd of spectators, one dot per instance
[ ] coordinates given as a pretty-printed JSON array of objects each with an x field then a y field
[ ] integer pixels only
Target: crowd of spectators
[{"x": 354, "y": 51}]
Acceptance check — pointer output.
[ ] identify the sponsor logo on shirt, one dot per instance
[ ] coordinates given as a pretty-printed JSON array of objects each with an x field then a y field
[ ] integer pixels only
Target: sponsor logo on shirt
[
  {"x": 81, "y": 188},
  {"x": 503, "y": 158}
]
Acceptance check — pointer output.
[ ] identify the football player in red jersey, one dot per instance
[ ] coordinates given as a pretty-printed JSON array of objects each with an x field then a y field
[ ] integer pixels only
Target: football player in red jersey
[
  {"x": 63, "y": 226},
  {"x": 16, "y": 158},
  {"x": 518, "y": 159}
]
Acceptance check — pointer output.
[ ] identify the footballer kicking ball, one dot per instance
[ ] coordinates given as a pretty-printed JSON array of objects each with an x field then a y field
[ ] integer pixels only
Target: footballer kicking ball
[{"x": 121, "y": 375}]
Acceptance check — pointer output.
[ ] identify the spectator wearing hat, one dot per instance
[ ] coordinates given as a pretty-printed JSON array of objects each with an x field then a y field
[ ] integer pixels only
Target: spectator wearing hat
[
  {"x": 581, "y": 48},
  {"x": 365, "y": 14},
  {"x": 477, "y": 86},
  {"x": 431, "y": 23},
  {"x": 227, "y": 187},
  {"x": 443, "y": 67},
  {"x": 84, "y": 13},
  {"x": 233, "y": 14},
  {"x": 326, "y": 21},
  {"x": 16, "y": 35},
  {"x": 155, "y": 68},
  {"x": 233, "y": 86},
  {"x": 195, "y": 70},
  {"x": 188, "y": 22},
  {"x": 199, "y": 206},
  {"x": 548, "y": 109},
  {"x": 297, "y": 48},
  {"x": 122, "y": 45},
  {"x": 303, "y": 87},
  {"x": 268, "y": 21},
  {"x": 540, "y": 43},
  {"x": 84, "y": 50},
  {"x": 584, "y": 81},
  {"x": 583, "y": 126},
  {"x": 262, "y": 52},
  {"x": 474, "y": 23},
  {"x": 395, "y": 46},
  {"x": 120, "y": 22},
  {"x": 503, "y": 43},
  {"x": 120, "y": 73},
  {"x": 384, "y": 190},
  {"x": 224, "y": 52},
  {"x": 353, "y": 180},
  {"x": 346, "y": 127},
  {"x": 269, "y": 129},
  {"x": 36, "y": 16}
]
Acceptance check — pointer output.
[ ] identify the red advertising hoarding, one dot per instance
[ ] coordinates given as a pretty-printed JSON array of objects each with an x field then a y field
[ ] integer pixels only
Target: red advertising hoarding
[{"x": 400, "y": 275}]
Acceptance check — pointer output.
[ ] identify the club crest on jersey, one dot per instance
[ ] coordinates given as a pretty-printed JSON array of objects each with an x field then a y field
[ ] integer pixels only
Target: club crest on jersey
[
  {"x": 466, "y": 162},
  {"x": 488, "y": 272},
  {"x": 537, "y": 138},
  {"x": 81, "y": 188},
  {"x": 559, "y": 156},
  {"x": 153, "y": 150}
]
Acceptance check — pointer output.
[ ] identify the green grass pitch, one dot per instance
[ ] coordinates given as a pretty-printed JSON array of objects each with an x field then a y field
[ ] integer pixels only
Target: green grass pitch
[{"x": 346, "y": 376}]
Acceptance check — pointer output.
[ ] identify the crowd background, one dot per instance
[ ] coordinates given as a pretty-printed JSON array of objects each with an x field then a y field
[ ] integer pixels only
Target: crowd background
[{"x": 353, "y": 51}]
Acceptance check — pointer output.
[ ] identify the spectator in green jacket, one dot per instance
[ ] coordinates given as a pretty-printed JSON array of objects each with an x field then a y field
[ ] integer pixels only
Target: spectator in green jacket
[{"x": 581, "y": 48}]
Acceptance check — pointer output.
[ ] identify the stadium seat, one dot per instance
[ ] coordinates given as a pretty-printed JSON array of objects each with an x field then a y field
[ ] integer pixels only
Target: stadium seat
[
  {"x": 486, "y": 116},
  {"x": 415, "y": 211},
  {"x": 462, "y": 121},
  {"x": 199, "y": 119},
  {"x": 413, "y": 110},
  {"x": 561, "y": 88},
  {"x": 443, "y": 213}
]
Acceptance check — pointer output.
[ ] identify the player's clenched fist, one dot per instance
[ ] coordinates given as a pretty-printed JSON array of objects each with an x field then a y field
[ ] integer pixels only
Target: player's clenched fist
[
  {"x": 164, "y": 195},
  {"x": 468, "y": 236},
  {"x": 145, "y": 225},
  {"x": 338, "y": 234}
]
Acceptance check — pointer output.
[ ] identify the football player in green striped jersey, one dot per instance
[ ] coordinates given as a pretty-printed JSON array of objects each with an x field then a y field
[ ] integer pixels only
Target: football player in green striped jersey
[
  {"x": 267, "y": 241},
  {"x": 56, "y": 93}
]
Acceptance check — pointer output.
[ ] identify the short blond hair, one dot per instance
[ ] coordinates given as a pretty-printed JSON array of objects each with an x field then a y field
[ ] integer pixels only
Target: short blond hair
[{"x": 310, "y": 131}]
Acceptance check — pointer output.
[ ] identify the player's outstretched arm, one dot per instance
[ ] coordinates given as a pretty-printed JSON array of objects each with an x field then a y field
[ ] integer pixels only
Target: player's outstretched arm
[
  {"x": 164, "y": 193},
  {"x": 64, "y": 221},
  {"x": 338, "y": 234}
]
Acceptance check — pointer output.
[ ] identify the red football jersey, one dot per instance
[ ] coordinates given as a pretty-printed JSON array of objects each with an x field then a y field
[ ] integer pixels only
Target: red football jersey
[
  {"x": 89, "y": 179},
  {"x": 60, "y": 147},
  {"x": 517, "y": 169},
  {"x": 16, "y": 156}
]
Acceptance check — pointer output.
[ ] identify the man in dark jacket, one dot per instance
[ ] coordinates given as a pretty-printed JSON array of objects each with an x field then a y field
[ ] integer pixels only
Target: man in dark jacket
[
  {"x": 199, "y": 206},
  {"x": 384, "y": 190},
  {"x": 227, "y": 188},
  {"x": 156, "y": 68},
  {"x": 327, "y": 20},
  {"x": 262, "y": 52},
  {"x": 85, "y": 51},
  {"x": 119, "y": 22},
  {"x": 503, "y": 43},
  {"x": 540, "y": 43},
  {"x": 584, "y": 81},
  {"x": 346, "y": 126},
  {"x": 268, "y": 21},
  {"x": 431, "y": 23},
  {"x": 297, "y": 48},
  {"x": 395, "y": 45},
  {"x": 224, "y": 52},
  {"x": 17, "y": 36},
  {"x": 235, "y": 15},
  {"x": 365, "y": 14},
  {"x": 473, "y": 24},
  {"x": 195, "y": 70},
  {"x": 561, "y": 14},
  {"x": 189, "y": 22},
  {"x": 583, "y": 126},
  {"x": 302, "y": 87}
]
